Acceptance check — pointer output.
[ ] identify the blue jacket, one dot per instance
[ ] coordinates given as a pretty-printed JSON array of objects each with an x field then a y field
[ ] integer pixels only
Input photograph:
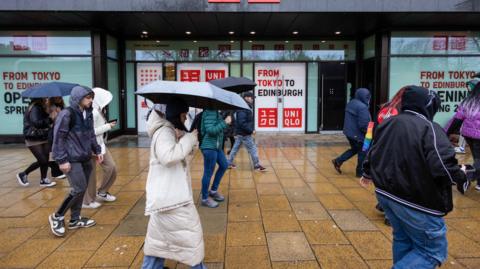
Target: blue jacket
[
  {"x": 75, "y": 142},
  {"x": 244, "y": 122},
  {"x": 357, "y": 115}
]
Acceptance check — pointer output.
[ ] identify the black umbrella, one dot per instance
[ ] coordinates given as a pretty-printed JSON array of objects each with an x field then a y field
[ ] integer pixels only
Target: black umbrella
[
  {"x": 235, "y": 84},
  {"x": 196, "y": 94},
  {"x": 51, "y": 89}
]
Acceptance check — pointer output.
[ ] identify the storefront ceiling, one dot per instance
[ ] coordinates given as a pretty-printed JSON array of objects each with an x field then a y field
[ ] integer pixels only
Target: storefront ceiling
[{"x": 217, "y": 25}]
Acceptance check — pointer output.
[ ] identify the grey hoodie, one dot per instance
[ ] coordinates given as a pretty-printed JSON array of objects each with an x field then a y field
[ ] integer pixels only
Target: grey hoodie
[{"x": 78, "y": 143}]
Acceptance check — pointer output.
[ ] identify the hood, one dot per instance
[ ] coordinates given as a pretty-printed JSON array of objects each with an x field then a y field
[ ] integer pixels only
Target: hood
[
  {"x": 421, "y": 100},
  {"x": 363, "y": 95},
  {"x": 154, "y": 122},
  {"x": 77, "y": 94},
  {"x": 102, "y": 98}
]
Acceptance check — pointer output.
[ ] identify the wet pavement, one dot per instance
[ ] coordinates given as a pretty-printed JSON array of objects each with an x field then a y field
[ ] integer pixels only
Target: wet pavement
[{"x": 300, "y": 214}]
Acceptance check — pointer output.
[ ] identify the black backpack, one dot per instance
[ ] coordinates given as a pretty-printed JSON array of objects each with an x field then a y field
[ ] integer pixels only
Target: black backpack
[{"x": 197, "y": 124}]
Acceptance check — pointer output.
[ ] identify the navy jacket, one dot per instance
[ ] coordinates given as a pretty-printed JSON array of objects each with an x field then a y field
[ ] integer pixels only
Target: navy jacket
[
  {"x": 78, "y": 143},
  {"x": 357, "y": 116},
  {"x": 244, "y": 122}
]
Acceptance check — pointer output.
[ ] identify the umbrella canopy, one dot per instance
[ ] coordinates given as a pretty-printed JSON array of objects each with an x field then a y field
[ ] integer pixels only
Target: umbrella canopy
[
  {"x": 196, "y": 94},
  {"x": 234, "y": 84},
  {"x": 51, "y": 89}
]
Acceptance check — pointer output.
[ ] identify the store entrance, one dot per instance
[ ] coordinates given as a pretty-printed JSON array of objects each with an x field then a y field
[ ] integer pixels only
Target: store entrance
[{"x": 332, "y": 95}]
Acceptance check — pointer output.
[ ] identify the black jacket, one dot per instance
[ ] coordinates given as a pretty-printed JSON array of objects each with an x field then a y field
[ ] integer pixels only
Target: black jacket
[
  {"x": 38, "y": 118},
  {"x": 244, "y": 122},
  {"x": 412, "y": 161},
  {"x": 230, "y": 130}
]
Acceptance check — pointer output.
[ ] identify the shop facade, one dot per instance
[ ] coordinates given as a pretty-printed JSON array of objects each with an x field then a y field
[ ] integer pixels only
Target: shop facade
[{"x": 303, "y": 81}]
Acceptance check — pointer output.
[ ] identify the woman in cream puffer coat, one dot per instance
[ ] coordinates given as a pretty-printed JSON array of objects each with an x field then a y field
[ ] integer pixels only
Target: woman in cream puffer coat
[{"x": 174, "y": 230}]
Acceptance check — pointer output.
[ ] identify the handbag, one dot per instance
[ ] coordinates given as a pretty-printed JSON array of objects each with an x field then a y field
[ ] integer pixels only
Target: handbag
[{"x": 33, "y": 133}]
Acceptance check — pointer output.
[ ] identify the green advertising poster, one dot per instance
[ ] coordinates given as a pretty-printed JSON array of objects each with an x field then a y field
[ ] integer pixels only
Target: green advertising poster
[
  {"x": 445, "y": 75},
  {"x": 18, "y": 74}
]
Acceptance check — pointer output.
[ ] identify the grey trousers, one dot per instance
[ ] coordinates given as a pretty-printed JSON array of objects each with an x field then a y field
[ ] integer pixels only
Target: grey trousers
[
  {"x": 109, "y": 176},
  {"x": 78, "y": 179}
]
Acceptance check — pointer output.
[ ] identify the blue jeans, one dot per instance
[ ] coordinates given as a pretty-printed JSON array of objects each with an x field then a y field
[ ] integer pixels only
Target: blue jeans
[
  {"x": 355, "y": 148},
  {"x": 150, "y": 262},
  {"x": 419, "y": 239},
  {"x": 210, "y": 158},
  {"x": 249, "y": 143}
]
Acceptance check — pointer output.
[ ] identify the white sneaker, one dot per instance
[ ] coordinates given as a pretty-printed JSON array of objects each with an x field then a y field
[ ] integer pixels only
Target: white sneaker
[
  {"x": 92, "y": 205},
  {"x": 61, "y": 177},
  {"x": 460, "y": 150},
  {"x": 46, "y": 182},
  {"x": 477, "y": 187},
  {"x": 106, "y": 197}
]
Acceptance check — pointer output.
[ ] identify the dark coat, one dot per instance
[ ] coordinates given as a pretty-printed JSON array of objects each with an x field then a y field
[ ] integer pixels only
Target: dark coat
[
  {"x": 244, "y": 124},
  {"x": 357, "y": 116}
]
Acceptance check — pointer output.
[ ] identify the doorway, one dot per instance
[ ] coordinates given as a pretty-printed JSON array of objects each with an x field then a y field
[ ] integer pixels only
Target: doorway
[{"x": 332, "y": 95}]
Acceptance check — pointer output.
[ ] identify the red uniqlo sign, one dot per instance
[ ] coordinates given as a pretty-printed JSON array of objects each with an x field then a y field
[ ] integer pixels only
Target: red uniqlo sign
[
  {"x": 292, "y": 117},
  {"x": 267, "y": 117},
  {"x": 440, "y": 43},
  {"x": 214, "y": 74},
  {"x": 190, "y": 75},
  {"x": 458, "y": 42}
]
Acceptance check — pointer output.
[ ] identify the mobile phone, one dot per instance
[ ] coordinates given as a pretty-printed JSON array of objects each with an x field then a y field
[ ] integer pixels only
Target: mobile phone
[{"x": 110, "y": 121}]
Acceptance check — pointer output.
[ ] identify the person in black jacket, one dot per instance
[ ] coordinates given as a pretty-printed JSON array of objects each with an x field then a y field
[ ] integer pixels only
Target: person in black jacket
[
  {"x": 244, "y": 130},
  {"x": 413, "y": 167},
  {"x": 37, "y": 125}
]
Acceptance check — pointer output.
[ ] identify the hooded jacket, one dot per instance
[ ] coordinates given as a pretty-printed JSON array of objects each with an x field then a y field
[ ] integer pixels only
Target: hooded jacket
[
  {"x": 244, "y": 124},
  {"x": 174, "y": 230},
  {"x": 78, "y": 143},
  {"x": 412, "y": 161},
  {"x": 212, "y": 127},
  {"x": 357, "y": 115},
  {"x": 470, "y": 122},
  {"x": 101, "y": 100}
]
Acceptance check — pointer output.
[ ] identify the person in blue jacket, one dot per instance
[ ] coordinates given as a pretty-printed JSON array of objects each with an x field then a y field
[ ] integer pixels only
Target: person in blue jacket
[{"x": 357, "y": 117}]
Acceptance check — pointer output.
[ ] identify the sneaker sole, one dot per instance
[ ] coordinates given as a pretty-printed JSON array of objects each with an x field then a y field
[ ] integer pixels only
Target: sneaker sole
[
  {"x": 78, "y": 227},
  {"x": 61, "y": 177},
  {"x": 21, "y": 182},
  {"x": 48, "y": 185},
  {"x": 51, "y": 228},
  {"x": 105, "y": 200},
  {"x": 210, "y": 206}
]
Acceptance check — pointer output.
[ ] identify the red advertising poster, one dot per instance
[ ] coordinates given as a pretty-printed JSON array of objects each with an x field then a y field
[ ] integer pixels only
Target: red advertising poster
[
  {"x": 148, "y": 75},
  {"x": 292, "y": 117},
  {"x": 267, "y": 117},
  {"x": 20, "y": 42},
  {"x": 458, "y": 42},
  {"x": 39, "y": 42},
  {"x": 258, "y": 47},
  {"x": 440, "y": 43},
  {"x": 190, "y": 75},
  {"x": 279, "y": 47},
  {"x": 214, "y": 74},
  {"x": 203, "y": 52},
  {"x": 298, "y": 47}
]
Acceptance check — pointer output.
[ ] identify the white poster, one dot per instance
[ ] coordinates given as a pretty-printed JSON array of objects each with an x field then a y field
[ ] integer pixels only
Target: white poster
[
  {"x": 146, "y": 73},
  {"x": 280, "y": 97}
]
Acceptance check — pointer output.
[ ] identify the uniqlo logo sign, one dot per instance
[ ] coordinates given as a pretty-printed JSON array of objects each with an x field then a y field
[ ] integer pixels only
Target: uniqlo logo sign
[
  {"x": 190, "y": 75},
  {"x": 440, "y": 43},
  {"x": 292, "y": 117},
  {"x": 458, "y": 42},
  {"x": 267, "y": 117},
  {"x": 214, "y": 74}
]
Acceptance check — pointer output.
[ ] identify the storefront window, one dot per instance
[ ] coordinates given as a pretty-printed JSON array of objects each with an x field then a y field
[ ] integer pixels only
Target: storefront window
[
  {"x": 114, "y": 88},
  {"x": 183, "y": 51},
  {"x": 312, "y": 98},
  {"x": 130, "y": 79},
  {"x": 247, "y": 70},
  {"x": 112, "y": 47},
  {"x": 20, "y": 73},
  {"x": 235, "y": 70},
  {"x": 45, "y": 43},
  {"x": 299, "y": 50},
  {"x": 369, "y": 47},
  {"x": 437, "y": 43}
]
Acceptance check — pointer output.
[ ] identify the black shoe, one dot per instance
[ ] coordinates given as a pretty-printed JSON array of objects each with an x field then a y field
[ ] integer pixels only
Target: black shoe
[
  {"x": 22, "y": 179},
  {"x": 260, "y": 168},
  {"x": 336, "y": 166},
  {"x": 379, "y": 208},
  {"x": 81, "y": 223},
  {"x": 57, "y": 225},
  {"x": 387, "y": 222}
]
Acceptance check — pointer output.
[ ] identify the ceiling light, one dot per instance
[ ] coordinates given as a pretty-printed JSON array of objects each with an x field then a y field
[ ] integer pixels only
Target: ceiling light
[
  {"x": 252, "y": 32},
  {"x": 338, "y": 32},
  {"x": 295, "y": 32},
  {"x": 231, "y": 41},
  {"x": 286, "y": 41},
  {"x": 188, "y": 32},
  {"x": 158, "y": 41},
  {"x": 231, "y": 32},
  {"x": 194, "y": 41},
  {"x": 250, "y": 41},
  {"x": 145, "y": 32},
  {"x": 323, "y": 41}
]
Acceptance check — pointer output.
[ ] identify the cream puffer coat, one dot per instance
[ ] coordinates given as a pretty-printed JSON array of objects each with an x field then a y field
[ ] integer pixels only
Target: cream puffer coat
[
  {"x": 174, "y": 230},
  {"x": 101, "y": 100}
]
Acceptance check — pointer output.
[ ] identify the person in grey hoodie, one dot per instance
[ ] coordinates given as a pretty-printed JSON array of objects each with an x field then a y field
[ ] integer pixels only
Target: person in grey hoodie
[
  {"x": 74, "y": 143},
  {"x": 357, "y": 117}
]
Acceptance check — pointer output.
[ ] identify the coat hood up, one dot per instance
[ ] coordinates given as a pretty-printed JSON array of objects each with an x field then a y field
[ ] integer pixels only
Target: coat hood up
[{"x": 102, "y": 98}]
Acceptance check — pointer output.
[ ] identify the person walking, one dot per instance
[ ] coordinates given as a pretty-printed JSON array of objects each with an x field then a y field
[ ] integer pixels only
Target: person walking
[
  {"x": 413, "y": 167},
  {"x": 101, "y": 126},
  {"x": 174, "y": 229},
  {"x": 468, "y": 117},
  {"x": 37, "y": 125},
  {"x": 212, "y": 126},
  {"x": 244, "y": 128},
  {"x": 74, "y": 142},
  {"x": 357, "y": 117}
]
